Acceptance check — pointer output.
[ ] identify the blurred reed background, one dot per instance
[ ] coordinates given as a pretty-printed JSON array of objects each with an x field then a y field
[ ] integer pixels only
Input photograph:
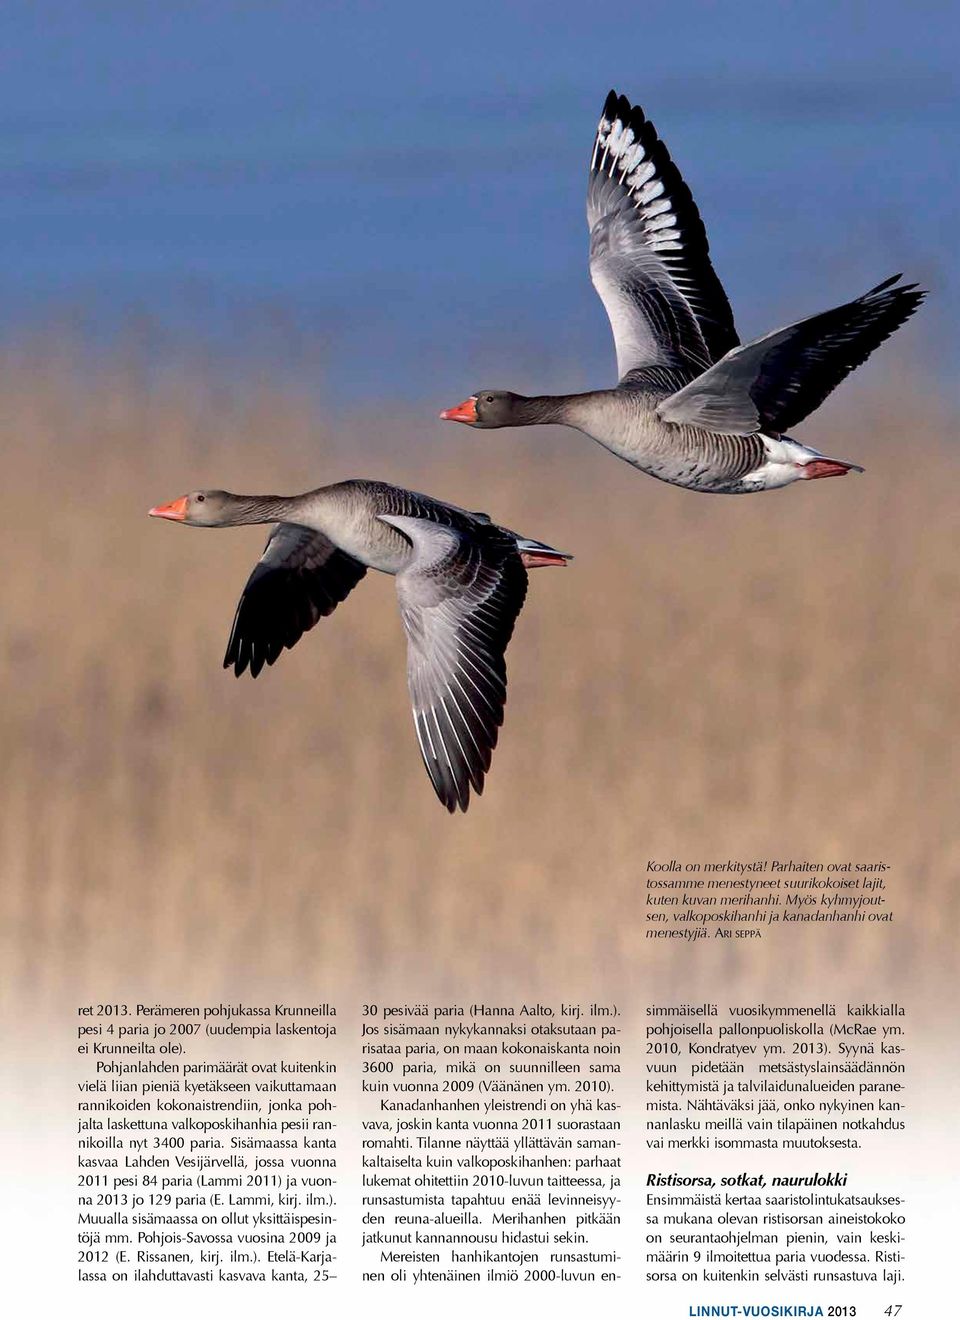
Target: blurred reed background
[{"x": 712, "y": 678}]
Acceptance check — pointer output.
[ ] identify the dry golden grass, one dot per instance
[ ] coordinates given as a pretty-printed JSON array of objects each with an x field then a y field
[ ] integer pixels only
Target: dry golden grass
[{"x": 712, "y": 678}]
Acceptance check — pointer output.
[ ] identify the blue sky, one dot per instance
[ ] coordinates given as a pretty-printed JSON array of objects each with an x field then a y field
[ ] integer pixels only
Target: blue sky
[{"x": 404, "y": 183}]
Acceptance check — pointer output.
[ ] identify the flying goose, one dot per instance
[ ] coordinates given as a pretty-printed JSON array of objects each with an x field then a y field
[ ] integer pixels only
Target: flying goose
[
  {"x": 693, "y": 406},
  {"x": 461, "y": 582}
]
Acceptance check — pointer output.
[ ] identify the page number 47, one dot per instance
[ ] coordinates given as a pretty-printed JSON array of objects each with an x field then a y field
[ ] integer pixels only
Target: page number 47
[{"x": 895, "y": 1309}]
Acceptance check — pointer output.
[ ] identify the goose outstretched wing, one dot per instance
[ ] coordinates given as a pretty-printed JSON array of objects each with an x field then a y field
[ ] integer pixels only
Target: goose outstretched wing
[
  {"x": 459, "y": 600},
  {"x": 649, "y": 255},
  {"x": 299, "y": 579},
  {"x": 774, "y": 382}
]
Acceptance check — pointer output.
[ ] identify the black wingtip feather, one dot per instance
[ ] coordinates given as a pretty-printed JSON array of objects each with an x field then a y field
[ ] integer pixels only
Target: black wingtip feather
[{"x": 886, "y": 286}]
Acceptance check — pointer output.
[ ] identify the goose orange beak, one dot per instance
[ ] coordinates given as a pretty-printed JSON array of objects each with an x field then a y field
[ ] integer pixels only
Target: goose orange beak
[
  {"x": 464, "y": 412},
  {"x": 176, "y": 510}
]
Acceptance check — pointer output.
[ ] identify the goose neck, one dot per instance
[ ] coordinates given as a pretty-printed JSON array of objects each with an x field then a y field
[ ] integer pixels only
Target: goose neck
[
  {"x": 245, "y": 509},
  {"x": 576, "y": 410},
  {"x": 543, "y": 409}
]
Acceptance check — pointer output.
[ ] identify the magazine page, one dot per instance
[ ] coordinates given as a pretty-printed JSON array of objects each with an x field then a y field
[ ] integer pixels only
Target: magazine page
[{"x": 388, "y": 924}]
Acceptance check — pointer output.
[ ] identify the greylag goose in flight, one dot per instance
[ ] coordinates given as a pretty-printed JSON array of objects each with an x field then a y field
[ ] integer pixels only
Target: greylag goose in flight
[
  {"x": 461, "y": 582},
  {"x": 693, "y": 406}
]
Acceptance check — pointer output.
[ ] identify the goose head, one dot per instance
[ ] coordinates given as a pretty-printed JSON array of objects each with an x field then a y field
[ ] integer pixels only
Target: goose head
[
  {"x": 489, "y": 409},
  {"x": 201, "y": 508}
]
